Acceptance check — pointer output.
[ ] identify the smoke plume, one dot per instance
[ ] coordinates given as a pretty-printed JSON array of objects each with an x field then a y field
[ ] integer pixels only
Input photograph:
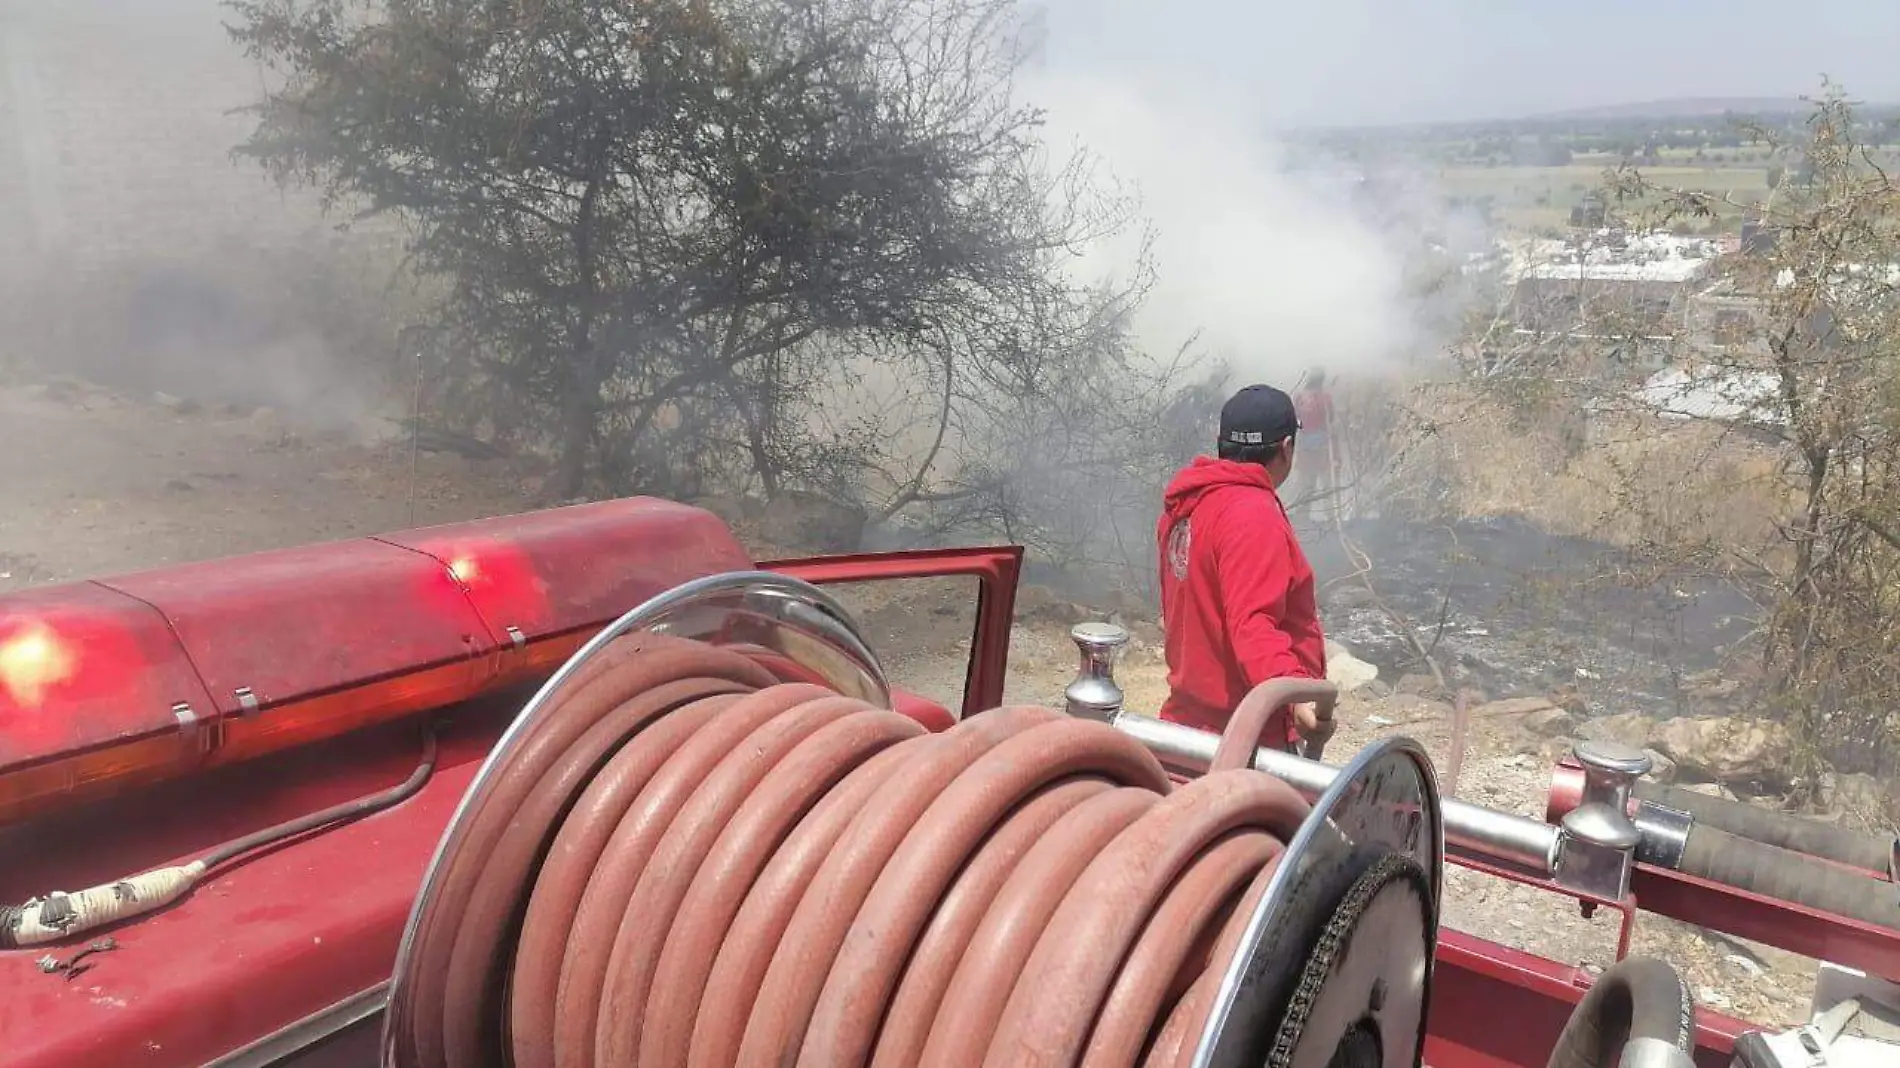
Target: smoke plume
[{"x": 1276, "y": 268}]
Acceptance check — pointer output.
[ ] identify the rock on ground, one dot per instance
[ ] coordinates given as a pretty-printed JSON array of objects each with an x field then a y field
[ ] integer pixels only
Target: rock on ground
[
  {"x": 1730, "y": 750},
  {"x": 1551, "y": 722},
  {"x": 1347, "y": 671},
  {"x": 1044, "y": 606},
  {"x": 1629, "y": 728}
]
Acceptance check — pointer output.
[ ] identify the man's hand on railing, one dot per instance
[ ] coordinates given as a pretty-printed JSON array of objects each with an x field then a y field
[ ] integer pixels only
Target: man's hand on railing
[{"x": 1316, "y": 725}]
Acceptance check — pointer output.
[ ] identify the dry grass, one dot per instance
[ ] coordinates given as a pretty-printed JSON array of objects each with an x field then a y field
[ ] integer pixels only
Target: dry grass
[{"x": 1632, "y": 481}]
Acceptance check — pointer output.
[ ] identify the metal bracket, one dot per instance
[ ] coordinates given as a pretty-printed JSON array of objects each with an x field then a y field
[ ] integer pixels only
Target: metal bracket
[
  {"x": 515, "y": 637},
  {"x": 197, "y": 739},
  {"x": 1823, "y": 1042},
  {"x": 1596, "y": 851},
  {"x": 1879, "y": 999},
  {"x": 247, "y": 701}
]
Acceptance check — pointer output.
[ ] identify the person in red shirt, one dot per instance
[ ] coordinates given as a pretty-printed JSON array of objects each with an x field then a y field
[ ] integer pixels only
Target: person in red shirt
[
  {"x": 1238, "y": 602},
  {"x": 1314, "y": 404}
]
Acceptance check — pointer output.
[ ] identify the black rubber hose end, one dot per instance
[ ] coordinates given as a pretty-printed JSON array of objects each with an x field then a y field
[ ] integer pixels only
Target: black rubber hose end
[{"x": 1637, "y": 998}]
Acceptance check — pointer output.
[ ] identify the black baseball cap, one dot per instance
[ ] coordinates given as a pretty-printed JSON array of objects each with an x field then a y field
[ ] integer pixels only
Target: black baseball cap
[{"x": 1258, "y": 415}]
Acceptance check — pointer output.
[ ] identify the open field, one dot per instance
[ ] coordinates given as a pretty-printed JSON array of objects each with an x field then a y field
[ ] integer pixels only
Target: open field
[{"x": 1529, "y": 199}]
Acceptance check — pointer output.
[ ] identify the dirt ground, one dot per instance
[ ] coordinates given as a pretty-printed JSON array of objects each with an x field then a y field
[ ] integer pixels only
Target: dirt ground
[{"x": 93, "y": 484}]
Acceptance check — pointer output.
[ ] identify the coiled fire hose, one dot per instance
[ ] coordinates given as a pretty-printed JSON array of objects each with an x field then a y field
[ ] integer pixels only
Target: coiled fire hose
[
  {"x": 697, "y": 864},
  {"x": 60, "y": 915}
]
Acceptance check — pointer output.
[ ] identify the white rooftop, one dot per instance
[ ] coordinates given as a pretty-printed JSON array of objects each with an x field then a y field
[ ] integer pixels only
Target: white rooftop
[
  {"x": 1652, "y": 271},
  {"x": 1723, "y": 396},
  {"x": 1608, "y": 257}
]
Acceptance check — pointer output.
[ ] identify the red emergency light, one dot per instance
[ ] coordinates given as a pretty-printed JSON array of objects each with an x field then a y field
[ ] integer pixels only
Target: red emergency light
[{"x": 145, "y": 677}]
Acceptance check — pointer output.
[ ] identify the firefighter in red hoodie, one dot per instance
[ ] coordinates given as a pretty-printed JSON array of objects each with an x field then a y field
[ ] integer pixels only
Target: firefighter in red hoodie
[{"x": 1237, "y": 595}]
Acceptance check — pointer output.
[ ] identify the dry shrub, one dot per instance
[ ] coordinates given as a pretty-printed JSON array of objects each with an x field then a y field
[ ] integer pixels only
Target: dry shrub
[
  {"x": 1676, "y": 488},
  {"x": 1686, "y": 489},
  {"x": 1456, "y": 452}
]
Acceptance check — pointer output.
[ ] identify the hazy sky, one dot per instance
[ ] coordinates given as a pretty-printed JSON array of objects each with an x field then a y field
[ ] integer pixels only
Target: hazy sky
[{"x": 1353, "y": 61}]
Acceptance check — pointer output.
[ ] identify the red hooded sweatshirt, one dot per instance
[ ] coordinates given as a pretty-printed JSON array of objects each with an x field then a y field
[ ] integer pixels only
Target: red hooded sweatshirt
[{"x": 1237, "y": 595}]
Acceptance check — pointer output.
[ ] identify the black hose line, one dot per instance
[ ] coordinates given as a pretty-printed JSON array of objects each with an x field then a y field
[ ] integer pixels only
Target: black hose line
[
  {"x": 1638, "y": 1002},
  {"x": 60, "y": 916},
  {"x": 1859, "y": 849},
  {"x": 1786, "y": 875},
  {"x": 335, "y": 815}
]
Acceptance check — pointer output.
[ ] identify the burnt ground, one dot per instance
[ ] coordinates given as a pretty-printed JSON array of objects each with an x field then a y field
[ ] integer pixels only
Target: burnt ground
[
  {"x": 1507, "y": 609},
  {"x": 92, "y": 483}
]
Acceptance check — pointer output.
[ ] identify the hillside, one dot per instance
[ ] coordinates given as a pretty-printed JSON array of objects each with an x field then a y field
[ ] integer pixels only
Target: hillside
[{"x": 1700, "y": 107}]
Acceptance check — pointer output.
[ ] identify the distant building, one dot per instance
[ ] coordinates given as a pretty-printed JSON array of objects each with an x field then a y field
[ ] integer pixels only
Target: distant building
[
  {"x": 1613, "y": 297},
  {"x": 1639, "y": 299},
  {"x": 1746, "y": 400},
  {"x": 1589, "y": 213},
  {"x": 1756, "y": 238},
  {"x": 1722, "y": 320}
]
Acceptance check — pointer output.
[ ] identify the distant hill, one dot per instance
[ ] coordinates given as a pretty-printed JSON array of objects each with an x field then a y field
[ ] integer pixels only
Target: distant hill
[
  {"x": 1700, "y": 111},
  {"x": 1700, "y": 107}
]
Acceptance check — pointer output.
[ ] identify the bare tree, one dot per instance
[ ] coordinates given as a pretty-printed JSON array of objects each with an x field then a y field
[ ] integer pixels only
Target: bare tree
[
  {"x": 1810, "y": 363},
  {"x": 669, "y": 228}
]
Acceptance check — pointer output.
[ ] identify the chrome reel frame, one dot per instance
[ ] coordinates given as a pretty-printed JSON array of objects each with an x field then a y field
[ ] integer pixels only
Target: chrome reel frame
[
  {"x": 1385, "y": 801},
  {"x": 753, "y": 609}
]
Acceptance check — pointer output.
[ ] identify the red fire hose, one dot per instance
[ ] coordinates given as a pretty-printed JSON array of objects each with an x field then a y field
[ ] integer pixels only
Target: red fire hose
[{"x": 701, "y": 865}]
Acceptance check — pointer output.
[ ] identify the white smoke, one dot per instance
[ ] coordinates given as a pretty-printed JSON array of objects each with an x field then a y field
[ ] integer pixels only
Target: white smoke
[{"x": 1273, "y": 268}]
